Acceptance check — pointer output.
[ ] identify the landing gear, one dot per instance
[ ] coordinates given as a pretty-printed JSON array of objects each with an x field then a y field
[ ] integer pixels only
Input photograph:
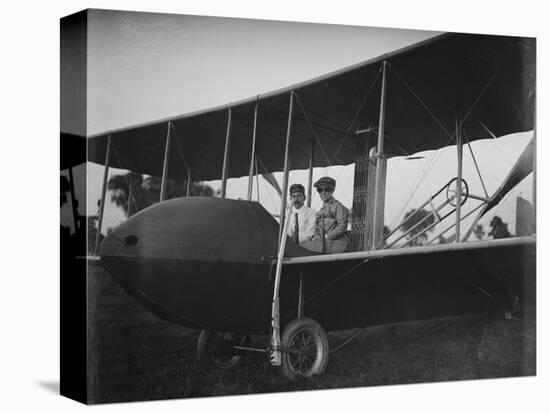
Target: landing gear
[
  {"x": 305, "y": 350},
  {"x": 217, "y": 349}
]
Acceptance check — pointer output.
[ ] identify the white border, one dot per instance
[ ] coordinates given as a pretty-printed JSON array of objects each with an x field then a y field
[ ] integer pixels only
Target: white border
[{"x": 30, "y": 288}]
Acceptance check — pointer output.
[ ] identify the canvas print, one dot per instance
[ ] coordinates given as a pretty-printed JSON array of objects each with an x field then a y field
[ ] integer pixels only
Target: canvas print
[{"x": 257, "y": 206}]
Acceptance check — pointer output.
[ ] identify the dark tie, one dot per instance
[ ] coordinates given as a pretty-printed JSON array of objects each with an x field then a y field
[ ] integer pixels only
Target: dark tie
[
  {"x": 296, "y": 228},
  {"x": 323, "y": 232}
]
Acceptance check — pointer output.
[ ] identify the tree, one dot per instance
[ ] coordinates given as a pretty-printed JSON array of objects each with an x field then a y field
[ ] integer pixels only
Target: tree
[
  {"x": 499, "y": 229},
  {"x": 479, "y": 232},
  {"x": 419, "y": 231},
  {"x": 140, "y": 192}
]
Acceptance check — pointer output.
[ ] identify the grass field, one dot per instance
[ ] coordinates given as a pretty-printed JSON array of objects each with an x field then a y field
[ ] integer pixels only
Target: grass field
[{"x": 136, "y": 356}]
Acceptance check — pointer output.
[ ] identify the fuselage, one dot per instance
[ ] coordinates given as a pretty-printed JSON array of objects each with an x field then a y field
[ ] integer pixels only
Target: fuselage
[
  {"x": 209, "y": 263},
  {"x": 201, "y": 262}
]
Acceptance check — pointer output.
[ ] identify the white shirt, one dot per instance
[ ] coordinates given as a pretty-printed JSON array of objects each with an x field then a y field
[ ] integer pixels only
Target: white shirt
[{"x": 306, "y": 223}]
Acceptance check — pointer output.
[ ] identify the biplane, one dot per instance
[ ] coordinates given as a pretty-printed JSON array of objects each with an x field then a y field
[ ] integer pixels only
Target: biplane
[{"x": 226, "y": 267}]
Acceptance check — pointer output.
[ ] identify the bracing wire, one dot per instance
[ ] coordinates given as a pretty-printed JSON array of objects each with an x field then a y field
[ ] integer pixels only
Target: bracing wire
[
  {"x": 421, "y": 102},
  {"x": 433, "y": 160},
  {"x": 179, "y": 147},
  {"x": 402, "y": 107},
  {"x": 429, "y": 165},
  {"x": 128, "y": 184},
  {"x": 311, "y": 127},
  {"x": 350, "y": 126},
  {"x": 332, "y": 282},
  {"x": 476, "y": 166},
  {"x": 348, "y": 130},
  {"x": 405, "y": 182}
]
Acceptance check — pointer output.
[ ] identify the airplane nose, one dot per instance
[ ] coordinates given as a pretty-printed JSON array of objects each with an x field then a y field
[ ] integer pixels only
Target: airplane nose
[
  {"x": 120, "y": 242},
  {"x": 187, "y": 258},
  {"x": 200, "y": 229}
]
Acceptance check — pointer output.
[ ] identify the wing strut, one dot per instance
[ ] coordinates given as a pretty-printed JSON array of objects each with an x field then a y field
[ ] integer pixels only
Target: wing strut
[
  {"x": 252, "y": 155},
  {"x": 165, "y": 163},
  {"x": 459, "y": 180},
  {"x": 286, "y": 163},
  {"x": 189, "y": 183},
  {"x": 225, "y": 167},
  {"x": 257, "y": 178},
  {"x": 275, "y": 352},
  {"x": 380, "y": 174},
  {"x": 130, "y": 195},
  {"x": 103, "y": 193},
  {"x": 535, "y": 173},
  {"x": 310, "y": 173},
  {"x": 457, "y": 193}
]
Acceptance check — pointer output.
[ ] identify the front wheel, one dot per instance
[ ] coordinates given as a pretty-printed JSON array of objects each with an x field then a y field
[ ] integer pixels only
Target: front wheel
[
  {"x": 216, "y": 348},
  {"x": 304, "y": 349}
]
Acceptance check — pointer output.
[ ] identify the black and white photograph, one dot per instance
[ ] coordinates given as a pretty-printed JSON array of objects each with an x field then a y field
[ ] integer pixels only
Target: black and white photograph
[
  {"x": 373, "y": 224},
  {"x": 285, "y": 208}
]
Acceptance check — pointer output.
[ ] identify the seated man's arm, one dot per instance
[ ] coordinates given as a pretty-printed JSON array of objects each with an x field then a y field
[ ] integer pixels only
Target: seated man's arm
[
  {"x": 317, "y": 233},
  {"x": 342, "y": 216}
]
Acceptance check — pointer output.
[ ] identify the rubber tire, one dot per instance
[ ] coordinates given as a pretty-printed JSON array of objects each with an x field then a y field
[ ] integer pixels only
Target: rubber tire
[
  {"x": 206, "y": 354},
  {"x": 319, "y": 336}
]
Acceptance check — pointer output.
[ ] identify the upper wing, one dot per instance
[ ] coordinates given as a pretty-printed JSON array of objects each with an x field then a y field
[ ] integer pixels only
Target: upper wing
[{"x": 486, "y": 82}]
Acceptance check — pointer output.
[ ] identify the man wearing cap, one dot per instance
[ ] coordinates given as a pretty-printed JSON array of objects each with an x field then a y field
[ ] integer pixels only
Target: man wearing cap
[
  {"x": 302, "y": 219},
  {"x": 331, "y": 226}
]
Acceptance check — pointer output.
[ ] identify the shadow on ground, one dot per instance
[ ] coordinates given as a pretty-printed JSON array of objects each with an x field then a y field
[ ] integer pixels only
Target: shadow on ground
[{"x": 51, "y": 386}]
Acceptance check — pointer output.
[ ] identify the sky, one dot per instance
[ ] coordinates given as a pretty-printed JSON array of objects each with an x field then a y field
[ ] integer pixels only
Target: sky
[{"x": 144, "y": 67}]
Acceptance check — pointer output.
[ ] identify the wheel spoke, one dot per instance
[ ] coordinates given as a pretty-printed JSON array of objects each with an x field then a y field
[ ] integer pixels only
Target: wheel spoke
[
  {"x": 301, "y": 364},
  {"x": 305, "y": 349},
  {"x": 303, "y": 359},
  {"x": 310, "y": 355},
  {"x": 307, "y": 342},
  {"x": 304, "y": 341}
]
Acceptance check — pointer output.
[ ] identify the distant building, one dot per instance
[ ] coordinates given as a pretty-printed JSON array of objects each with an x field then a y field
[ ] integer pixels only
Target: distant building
[{"x": 524, "y": 217}]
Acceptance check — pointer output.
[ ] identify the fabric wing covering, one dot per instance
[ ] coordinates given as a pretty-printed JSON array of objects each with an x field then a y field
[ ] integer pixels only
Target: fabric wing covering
[{"x": 486, "y": 82}]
